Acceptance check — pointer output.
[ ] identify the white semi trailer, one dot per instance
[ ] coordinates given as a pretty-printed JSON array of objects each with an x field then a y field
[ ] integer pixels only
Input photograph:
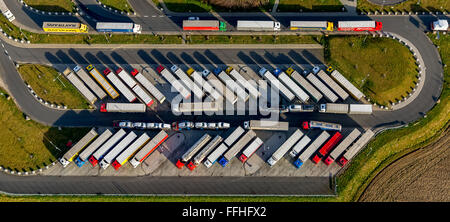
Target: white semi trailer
[{"x": 284, "y": 148}]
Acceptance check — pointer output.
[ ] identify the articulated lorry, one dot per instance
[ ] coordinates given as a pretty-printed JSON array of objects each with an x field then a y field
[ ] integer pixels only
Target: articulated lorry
[
  {"x": 251, "y": 149},
  {"x": 342, "y": 146},
  {"x": 234, "y": 136},
  {"x": 240, "y": 144},
  {"x": 341, "y": 80},
  {"x": 258, "y": 26},
  {"x": 188, "y": 83},
  {"x": 244, "y": 83},
  {"x": 329, "y": 95},
  {"x": 266, "y": 125},
  {"x": 329, "y": 145},
  {"x": 102, "y": 81},
  {"x": 142, "y": 95},
  {"x": 311, "y": 25},
  {"x": 149, "y": 148},
  {"x": 80, "y": 86},
  {"x": 356, "y": 147},
  {"x": 231, "y": 84},
  {"x": 212, "y": 158},
  {"x": 332, "y": 84},
  {"x": 83, "y": 157},
  {"x": 120, "y": 85},
  {"x": 299, "y": 93},
  {"x": 284, "y": 148},
  {"x": 70, "y": 155},
  {"x": 358, "y": 26},
  {"x": 89, "y": 82},
  {"x": 299, "y": 146},
  {"x": 176, "y": 84},
  {"x": 196, "y": 107},
  {"x": 220, "y": 87},
  {"x": 126, "y": 27},
  {"x": 100, "y": 152},
  {"x": 148, "y": 85},
  {"x": 204, "y": 152},
  {"x": 303, "y": 83},
  {"x": 346, "y": 108},
  {"x": 114, "y": 152},
  {"x": 275, "y": 83},
  {"x": 74, "y": 27},
  {"x": 122, "y": 108},
  {"x": 205, "y": 85},
  {"x": 193, "y": 150},
  {"x": 311, "y": 149},
  {"x": 204, "y": 25},
  {"x": 321, "y": 125},
  {"x": 128, "y": 152}
]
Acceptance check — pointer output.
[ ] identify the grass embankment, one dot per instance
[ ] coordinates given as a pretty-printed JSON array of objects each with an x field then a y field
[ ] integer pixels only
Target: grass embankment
[
  {"x": 245, "y": 39},
  {"x": 27, "y": 145},
  {"x": 310, "y": 6},
  {"x": 384, "y": 69},
  {"x": 52, "y": 5},
  {"x": 407, "y": 6},
  {"x": 52, "y": 86},
  {"x": 119, "y": 5},
  {"x": 218, "y": 5}
]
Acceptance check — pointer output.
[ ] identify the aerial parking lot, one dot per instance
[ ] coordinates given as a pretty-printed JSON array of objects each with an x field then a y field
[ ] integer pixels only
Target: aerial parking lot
[{"x": 141, "y": 98}]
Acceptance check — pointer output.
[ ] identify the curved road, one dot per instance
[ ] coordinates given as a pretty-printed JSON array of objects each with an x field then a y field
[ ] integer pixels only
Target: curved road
[{"x": 410, "y": 27}]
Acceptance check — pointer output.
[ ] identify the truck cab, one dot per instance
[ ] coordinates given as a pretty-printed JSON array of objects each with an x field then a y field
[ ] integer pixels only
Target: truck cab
[
  {"x": 305, "y": 125},
  {"x": 323, "y": 108},
  {"x": 103, "y": 108},
  {"x": 277, "y": 26},
  {"x": 83, "y": 28}
]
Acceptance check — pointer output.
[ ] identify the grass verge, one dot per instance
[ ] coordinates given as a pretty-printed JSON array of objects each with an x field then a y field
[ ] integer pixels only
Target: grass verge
[
  {"x": 52, "y": 5},
  {"x": 27, "y": 145},
  {"x": 385, "y": 69},
  {"x": 407, "y": 6},
  {"x": 119, "y": 5},
  {"x": 310, "y": 6},
  {"x": 52, "y": 87},
  {"x": 219, "y": 5},
  {"x": 257, "y": 39}
]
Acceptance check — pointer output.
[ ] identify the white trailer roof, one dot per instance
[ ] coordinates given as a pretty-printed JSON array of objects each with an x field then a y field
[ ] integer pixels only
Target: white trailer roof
[
  {"x": 309, "y": 24},
  {"x": 114, "y": 25},
  {"x": 351, "y": 24},
  {"x": 252, "y": 24}
]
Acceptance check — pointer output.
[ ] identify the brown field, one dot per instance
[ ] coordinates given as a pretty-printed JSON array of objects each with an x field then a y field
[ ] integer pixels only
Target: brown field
[{"x": 423, "y": 175}]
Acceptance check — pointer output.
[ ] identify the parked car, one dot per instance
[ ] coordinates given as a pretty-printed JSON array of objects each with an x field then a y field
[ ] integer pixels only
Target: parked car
[
  {"x": 152, "y": 126},
  {"x": 123, "y": 124},
  {"x": 222, "y": 125},
  {"x": 182, "y": 125},
  {"x": 193, "y": 18},
  {"x": 163, "y": 125},
  {"x": 301, "y": 108},
  {"x": 201, "y": 125},
  {"x": 139, "y": 125}
]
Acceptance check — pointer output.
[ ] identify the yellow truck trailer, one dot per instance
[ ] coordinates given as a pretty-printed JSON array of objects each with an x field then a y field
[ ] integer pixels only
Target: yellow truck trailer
[{"x": 65, "y": 27}]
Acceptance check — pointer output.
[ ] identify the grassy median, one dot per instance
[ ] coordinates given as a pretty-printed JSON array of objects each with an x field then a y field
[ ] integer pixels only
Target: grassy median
[
  {"x": 52, "y": 86},
  {"x": 218, "y": 5},
  {"x": 52, "y": 5},
  {"x": 119, "y": 5},
  {"x": 27, "y": 145},
  {"x": 383, "y": 68},
  {"x": 252, "y": 39},
  {"x": 407, "y": 6},
  {"x": 310, "y": 6}
]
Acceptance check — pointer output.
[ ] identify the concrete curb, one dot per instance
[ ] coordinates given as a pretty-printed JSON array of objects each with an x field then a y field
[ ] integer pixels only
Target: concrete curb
[
  {"x": 47, "y": 12},
  {"x": 119, "y": 12}
]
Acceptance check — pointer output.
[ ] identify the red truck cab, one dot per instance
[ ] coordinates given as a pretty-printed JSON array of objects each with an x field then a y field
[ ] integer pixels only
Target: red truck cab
[
  {"x": 191, "y": 166},
  {"x": 305, "y": 125},
  {"x": 106, "y": 71},
  {"x": 103, "y": 108},
  {"x": 179, "y": 164}
]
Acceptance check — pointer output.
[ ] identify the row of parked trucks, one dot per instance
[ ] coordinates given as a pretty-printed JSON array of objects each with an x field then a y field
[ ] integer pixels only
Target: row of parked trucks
[{"x": 77, "y": 27}]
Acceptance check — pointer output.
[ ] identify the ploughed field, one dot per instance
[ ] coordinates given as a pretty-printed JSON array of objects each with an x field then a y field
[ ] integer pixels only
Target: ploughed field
[{"x": 423, "y": 175}]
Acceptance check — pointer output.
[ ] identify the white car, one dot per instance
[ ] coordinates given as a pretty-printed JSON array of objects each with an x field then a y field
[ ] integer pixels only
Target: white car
[
  {"x": 222, "y": 125},
  {"x": 125, "y": 125},
  {"x": 193, "y": 18},
  {"x": 139, "y": 125},
  {"x": 152, "y": 126},
  {"x": 201, "y": 125},
  {"x": 212, "y": 126},
  {"x": 163, "y": 125},
  {"x": 9, "y": 15}
]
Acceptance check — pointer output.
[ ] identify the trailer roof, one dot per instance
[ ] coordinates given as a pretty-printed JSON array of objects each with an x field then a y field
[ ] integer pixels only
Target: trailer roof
[
  {"x": 310, "y": 24},
  {"x": 200, "y": 23},
  {"x": 114, "y": 25},
  {"x": 65, "y": 25},
  {"x": 350, "y": 24}
]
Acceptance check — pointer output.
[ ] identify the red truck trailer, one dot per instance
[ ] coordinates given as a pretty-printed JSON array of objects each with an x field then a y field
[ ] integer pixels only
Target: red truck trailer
[
  {"x": 359, "y": 26},
  {"x": 327, "y": 147}
]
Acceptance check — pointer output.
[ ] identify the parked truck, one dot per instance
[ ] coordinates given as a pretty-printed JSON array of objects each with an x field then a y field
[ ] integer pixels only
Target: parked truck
[
  {"x": 98, "y": 155},
  {"x": 251, "y": 149},
  {"x": 334, "y": 108},
  {"x": 266, "y": 125},
  {"x": 231, "y": 84},
  {"x": 311, "y": 25},
  {"x": 83, "y": 157},
  {"x": 126, "y": 78},
  {"x": 356, "y": 147},
  {"x": 342, "y": 146},
  {"x": 207, "y": 87},
  {"x": 128, "y": 152},
  {"x": 284, "y": 148},
  {"x": 220, "y": 87},
  {"x": 143, "y": 95},
  {"x": 102, "y": 81},
  {"x": 440, "y": 25},
  {"x": 149, "y": 148},
  {"x": 148, "y": 86},
  {"x": 240, "y": 144},
  {"x": 253, "y": 91},
  {"x": 119, "y": 85},
  {"x": 204, "y": 152},
  {"x": 299, "y": 146},
  {"x": 111, "y": 155},
  {"x": 204, "y": 25},
  {"x": 303, "y": 83},
  {"x": 321, "y": 125},
  {"x": 311, "y": 149},
  {"x": 359, "y": 26},
  {"x": 174, "y": 82},
  {"x": 299, "y": 93},
  {"x": 80, "y": 86},
  {"x": 258, "y": 26},
  {"x": 333, "y": 85},
  {"x": 212, "y": 158},
  {"x": 234, "y": 136},
  {"x": 122, "y": 107},
  {"x": 188, "y": 83},
  {"x": 341, "y": 80},
  {"x": 89, "y": 82},
  {"x": 74, "y": 27},
  {"x": 275, "y": 83},
  {"x": 126, "y": 27},
  {"x": 329, "y": 95},
  {"x": 360, "y": 109},
  {"x": 70, "y": 155},
  {"x": 329, "y": 145},
  {"x": 193, "y": 150},
  {"x": 196, "y": 107}
]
